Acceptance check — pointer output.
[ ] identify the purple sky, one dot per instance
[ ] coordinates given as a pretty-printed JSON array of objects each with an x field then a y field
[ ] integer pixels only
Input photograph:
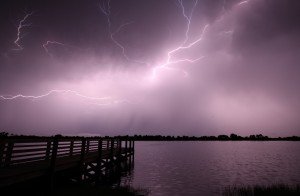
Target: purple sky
[{"x": 175, "y": 67}]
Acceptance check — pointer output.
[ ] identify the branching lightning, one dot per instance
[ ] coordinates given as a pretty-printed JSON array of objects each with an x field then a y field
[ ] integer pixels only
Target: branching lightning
[
  {"x": 45, "y": 46},
  {"x": 101, "y": 101},
  {"x": 21, "y": 25},
  {"x": 184, "y": 45},
  {"x": 166, "y": 65},
  {"x": 51, "y": 92},
  {"x": 106, "y": 10}
]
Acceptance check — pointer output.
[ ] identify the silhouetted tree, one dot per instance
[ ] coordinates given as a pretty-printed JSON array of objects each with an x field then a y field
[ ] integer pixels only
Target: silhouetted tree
[
  {"x": 3, "y": 134},
  {"x": 233, "y": 136},
  {"x": 223, "y": 137}
]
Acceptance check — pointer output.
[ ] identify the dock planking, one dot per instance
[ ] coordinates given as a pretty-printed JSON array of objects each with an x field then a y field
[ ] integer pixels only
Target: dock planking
[{"x": 89, "y": 159}]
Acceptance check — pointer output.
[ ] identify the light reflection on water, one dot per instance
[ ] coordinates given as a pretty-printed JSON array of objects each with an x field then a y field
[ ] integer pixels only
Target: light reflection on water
[{"x": 204, "y": 168}]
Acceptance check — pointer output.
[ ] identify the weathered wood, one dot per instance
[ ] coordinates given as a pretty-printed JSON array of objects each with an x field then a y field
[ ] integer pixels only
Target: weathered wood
[
  {"x": 8, "y": 154},
  {"x": 29, "y": 150},
  {"x": 82, "y": 156},
  {"x": 107, "y": 147},
  {"x": 99, "y": 159},
  {"x": 112, "y": 150},
  {"x": 130, "y": 148},
  {"x": 87, "y": 146},
  {"x": 48, "y": 150},
  {"x": 2, "y": 146},
  {"x": 119, "y": 147},
  {"x": 71, "y": 147},
  {"x": 23, "y": 158},
  {"x": 53, "y": 162}
]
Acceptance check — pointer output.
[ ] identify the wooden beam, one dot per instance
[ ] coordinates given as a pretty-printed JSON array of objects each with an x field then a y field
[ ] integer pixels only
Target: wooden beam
[
  {"x": 71, "y": 147},
  {"x": 99, "y": 159},
  {"x": 53, "y": 162},
  {"x": 8, "y": 154}
]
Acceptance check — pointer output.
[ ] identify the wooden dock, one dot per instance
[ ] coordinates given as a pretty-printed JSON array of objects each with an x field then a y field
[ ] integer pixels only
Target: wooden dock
[{"x": 83, "y": 159}]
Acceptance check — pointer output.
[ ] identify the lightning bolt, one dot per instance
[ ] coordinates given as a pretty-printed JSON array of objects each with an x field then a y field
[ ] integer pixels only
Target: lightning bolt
[
  {"x": 89, "y": 100},
  {"x": 105, "y": 9},
  {"x": 45, "y": 46},
  {"x": 185, "y": 45},
  {"x": 9, "y": 97},
  {"x": 182, "y": 46},
  {"x": 21, "y": 25},
  {"x": 167, "y": 65},
  {"x": 101, "y": 101}
]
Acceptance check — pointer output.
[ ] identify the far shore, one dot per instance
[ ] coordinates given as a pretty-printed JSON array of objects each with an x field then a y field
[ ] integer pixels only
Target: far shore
[{"x": 231, "y": 137}]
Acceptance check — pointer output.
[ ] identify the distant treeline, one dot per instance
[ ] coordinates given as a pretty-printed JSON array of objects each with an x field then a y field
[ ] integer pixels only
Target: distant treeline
[{"x": 231, "y": 137}]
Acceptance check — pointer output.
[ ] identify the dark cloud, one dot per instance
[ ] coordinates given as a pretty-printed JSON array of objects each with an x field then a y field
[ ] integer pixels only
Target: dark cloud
[{"x": 247, "y": 81}]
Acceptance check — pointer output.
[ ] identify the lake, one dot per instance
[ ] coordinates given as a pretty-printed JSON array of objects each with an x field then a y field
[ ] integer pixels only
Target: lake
[{"x": 206, "y": 167}]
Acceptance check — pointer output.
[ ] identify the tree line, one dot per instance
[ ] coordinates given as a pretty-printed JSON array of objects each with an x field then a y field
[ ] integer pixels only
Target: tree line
[{"x": 231, "y": 137}]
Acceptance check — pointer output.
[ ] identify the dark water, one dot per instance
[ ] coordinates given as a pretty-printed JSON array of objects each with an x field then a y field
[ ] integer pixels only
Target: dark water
[{"x": 204, "y": 168}]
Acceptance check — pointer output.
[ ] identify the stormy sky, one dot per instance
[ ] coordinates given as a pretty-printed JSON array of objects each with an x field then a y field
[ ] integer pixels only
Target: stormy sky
[{"x": 175, "y": 67}]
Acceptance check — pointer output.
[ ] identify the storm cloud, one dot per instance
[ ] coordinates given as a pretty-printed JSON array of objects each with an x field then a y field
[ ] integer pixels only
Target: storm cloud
[{"x": 246, "y": 79}]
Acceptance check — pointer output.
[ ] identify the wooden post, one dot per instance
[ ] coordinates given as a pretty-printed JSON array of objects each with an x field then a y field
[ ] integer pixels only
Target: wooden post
[
  {"x": 126, "y": 153},
  {"x": 81, "y": 164},
  {"x": 119, "y": 148},
  {"x": 130, "y": 146},
  {"x": 53, "y": 161},
  {"x": 119, "y": 157},
  {"x": 48, "y": 150},
  {"x": 129, "y": 155},
  {"x": 2, "y": 147},
  {"x": 71, "y": 147},
  {"x": 112, "y": 150},
  {"x": 107, "y": 157},
  {"x": 133, "y": 153},
  {"x": 8, "y": 155},
  {"x": 99, "y": 159},
  {"x": 133, "y": 145},
  {"x": 107, "y": 147},
  {"x": 87, "y": 146},
  {"x": 126, "y": 147}
]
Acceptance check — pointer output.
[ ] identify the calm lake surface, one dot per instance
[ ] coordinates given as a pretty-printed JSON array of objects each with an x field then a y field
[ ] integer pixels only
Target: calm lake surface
[{"x": 206, "y": 167}]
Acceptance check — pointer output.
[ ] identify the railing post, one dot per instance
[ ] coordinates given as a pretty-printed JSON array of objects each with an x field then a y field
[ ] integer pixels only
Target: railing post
[
  {"x": 2, "y": 147},
  {"x": 87, "y": 146},
  {"x": 133, "y": 147},
  {"x": 119, "y": 148},
  {"x": 107, "y": 150},
  {"x": 48, "y": 150},
  {"x": 8, "y": 155},
  {"x": 126, "y": 153},
  {"x": 129, "y": 154},
  {"x": 130, "y": 146},
  {"x": 53, "y": 162},
  {"x": 99, "y": 159},
  {"x": 126, "y": 147},
  {"x": 133, "y": 151},
  {"x": 81, "y": 166},
  {"x": 112, "y": 150},
  {"x": 71, "y": 147}
]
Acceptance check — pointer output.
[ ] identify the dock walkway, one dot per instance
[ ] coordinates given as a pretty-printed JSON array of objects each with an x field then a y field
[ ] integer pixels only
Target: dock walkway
[{"x": 82, "y": 158}]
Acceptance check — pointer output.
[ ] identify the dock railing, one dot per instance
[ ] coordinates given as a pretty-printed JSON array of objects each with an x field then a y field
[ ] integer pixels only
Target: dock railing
[{"x": 31, "y": 157}]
